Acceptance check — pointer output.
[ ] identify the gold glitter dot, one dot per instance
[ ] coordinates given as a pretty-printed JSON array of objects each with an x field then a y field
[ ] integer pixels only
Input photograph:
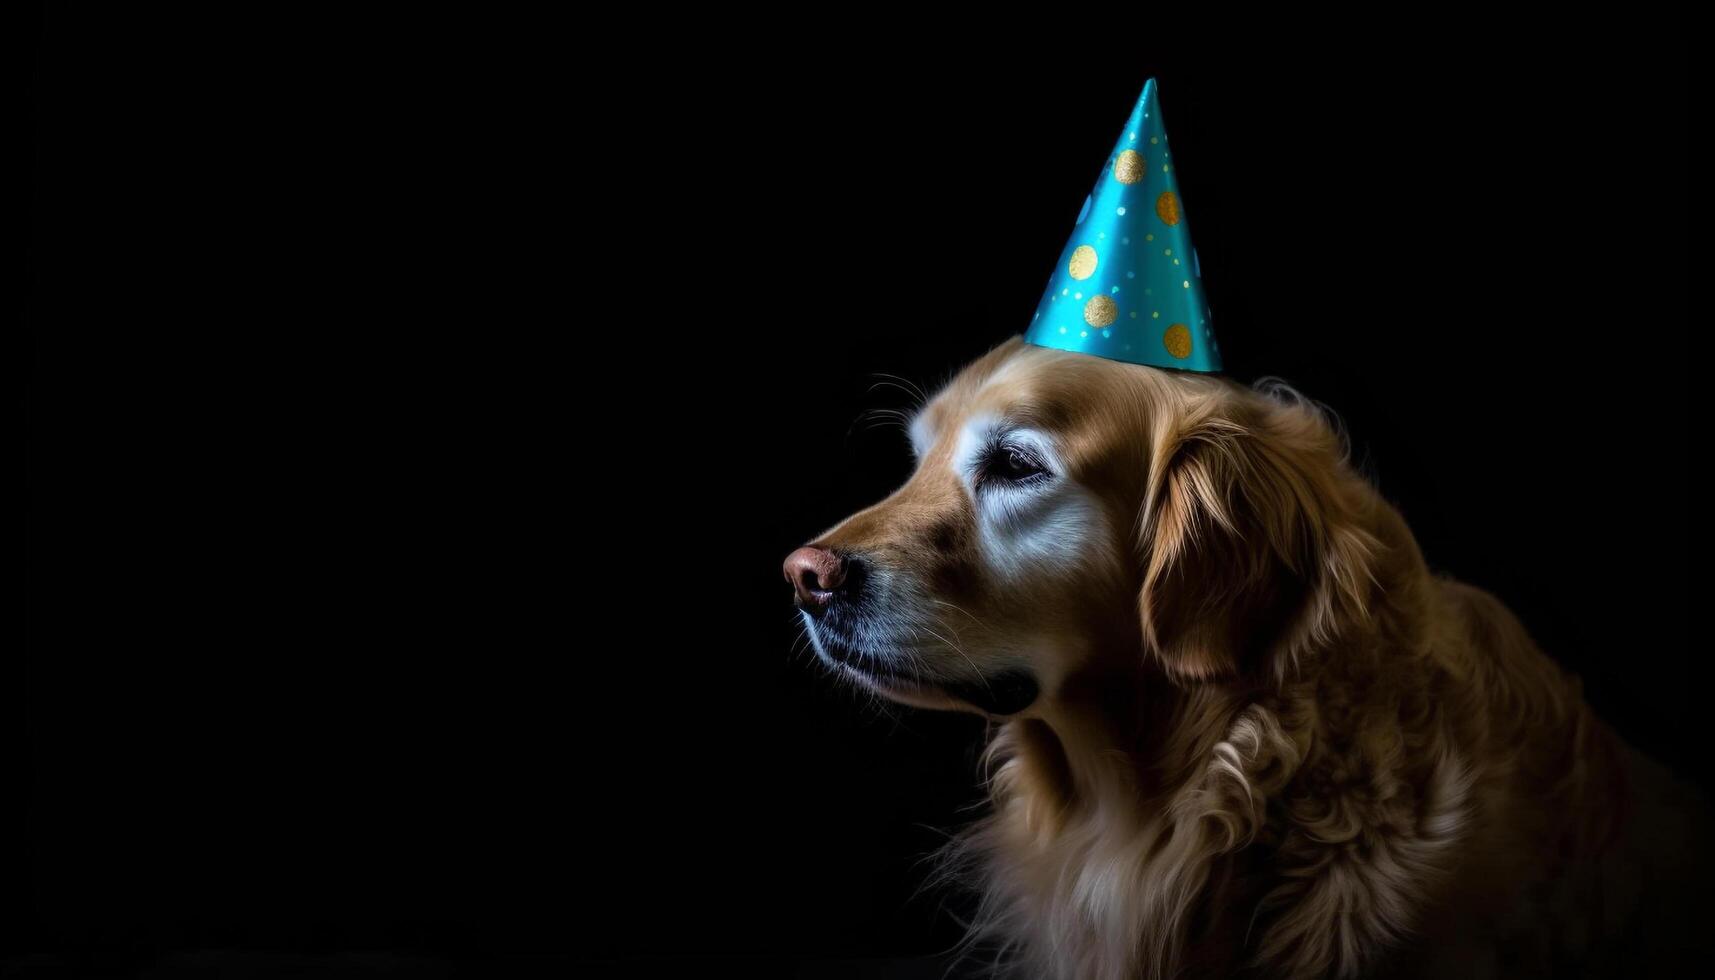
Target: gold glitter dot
[
  {"x": 1167, "y": 208},
  {"x": 1166, "y": 251},
  {"x": 1100, "y": 311},
  {"x": 1083, "y": 264},
  {"x": 1175, "y": 261},
  {"x": 1128, "y": 168},
  {"x": 1134, "y": 314},
  {"x": 1156, "y": 315},
  {"x": 1177, "y": 340},
  {"x": 1149, "y": 238},
  {"x": 1154, "y": 140},
  {"x": 1186, "y": 284}
]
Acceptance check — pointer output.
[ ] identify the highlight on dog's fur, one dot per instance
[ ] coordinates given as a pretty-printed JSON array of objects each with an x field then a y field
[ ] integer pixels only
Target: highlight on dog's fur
[{"x": 1240, "y": 726}]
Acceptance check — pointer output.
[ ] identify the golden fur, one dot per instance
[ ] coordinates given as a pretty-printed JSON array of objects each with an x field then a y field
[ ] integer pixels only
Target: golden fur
[{"x": 1269, "y": 740}]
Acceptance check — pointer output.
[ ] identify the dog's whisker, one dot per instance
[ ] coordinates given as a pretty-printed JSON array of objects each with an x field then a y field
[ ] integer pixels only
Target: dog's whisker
[
  {"x": 976, "y": 672},
  {"x": 918, "y": 396},
  {"x": 957, "y": 608},
  {"x": 893, "y": 413},
  {"x": 956, "y": 648},
  {"x": 870, "y": 424}
]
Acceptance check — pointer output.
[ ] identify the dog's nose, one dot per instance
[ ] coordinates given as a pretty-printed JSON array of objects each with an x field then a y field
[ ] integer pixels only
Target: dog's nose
[{"x": 815, "y": 574}]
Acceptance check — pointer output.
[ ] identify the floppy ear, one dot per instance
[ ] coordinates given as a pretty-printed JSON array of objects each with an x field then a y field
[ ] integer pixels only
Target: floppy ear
[{"x": 1253, "y": 542}]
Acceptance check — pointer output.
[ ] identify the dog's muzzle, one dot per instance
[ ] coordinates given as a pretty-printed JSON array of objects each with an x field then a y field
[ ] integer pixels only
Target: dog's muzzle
[{"x": 832, "y": 590}]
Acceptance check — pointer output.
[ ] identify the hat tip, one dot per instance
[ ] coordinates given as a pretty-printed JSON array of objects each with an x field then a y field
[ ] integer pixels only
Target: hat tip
[{"x": 1149, "y": 93}]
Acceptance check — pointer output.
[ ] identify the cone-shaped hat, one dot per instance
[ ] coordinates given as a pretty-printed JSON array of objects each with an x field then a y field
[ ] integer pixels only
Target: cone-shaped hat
[{"x": 1128, "y": 285}]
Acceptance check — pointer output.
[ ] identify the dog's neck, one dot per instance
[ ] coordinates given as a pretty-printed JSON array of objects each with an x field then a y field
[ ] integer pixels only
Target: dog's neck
[
  {"x": 1125, "y": 741},
  {"x": 1116, "y": 823}
]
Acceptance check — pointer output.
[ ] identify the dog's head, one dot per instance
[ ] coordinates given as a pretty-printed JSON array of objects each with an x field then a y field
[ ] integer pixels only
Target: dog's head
[{"x": 1070, "y": 516}]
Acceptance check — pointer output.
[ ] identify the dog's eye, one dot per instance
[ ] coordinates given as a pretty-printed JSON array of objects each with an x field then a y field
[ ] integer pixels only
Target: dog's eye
[{"x": 1011, "y": 465}]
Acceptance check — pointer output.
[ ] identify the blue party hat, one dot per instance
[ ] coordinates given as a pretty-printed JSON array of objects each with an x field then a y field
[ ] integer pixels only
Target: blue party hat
[{"x": 1128, "y": 286}]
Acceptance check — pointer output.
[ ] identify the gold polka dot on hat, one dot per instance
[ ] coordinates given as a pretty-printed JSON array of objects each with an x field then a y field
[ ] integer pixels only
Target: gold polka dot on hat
[
  {"x": 1128, "y": 167},
  {"x": 1177, "y": 340},
  {"x": 1100, "y": 311},
  {"x": 1083, "y": 263},
  {"x": 1167, "y": 208}
]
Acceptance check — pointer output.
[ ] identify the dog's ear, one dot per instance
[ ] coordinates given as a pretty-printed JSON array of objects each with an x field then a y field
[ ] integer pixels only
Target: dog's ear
[{"x": 1254, "y": 545}]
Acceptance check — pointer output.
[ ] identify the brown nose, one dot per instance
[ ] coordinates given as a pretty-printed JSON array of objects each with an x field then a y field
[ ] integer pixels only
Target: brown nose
[{"x": 815, "y": 573}]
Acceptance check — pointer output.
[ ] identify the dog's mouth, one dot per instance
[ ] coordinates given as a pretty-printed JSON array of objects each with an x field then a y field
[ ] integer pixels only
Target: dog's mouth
[{"x": 1003, "y": 692}]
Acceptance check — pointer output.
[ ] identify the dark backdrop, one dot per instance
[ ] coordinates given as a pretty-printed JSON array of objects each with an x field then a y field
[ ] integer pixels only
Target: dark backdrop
[{"x": 419, "y": 408}]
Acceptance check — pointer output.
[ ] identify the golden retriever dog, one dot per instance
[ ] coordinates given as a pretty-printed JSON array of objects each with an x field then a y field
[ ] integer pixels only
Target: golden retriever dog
[{"x": 1240, "y": 728}]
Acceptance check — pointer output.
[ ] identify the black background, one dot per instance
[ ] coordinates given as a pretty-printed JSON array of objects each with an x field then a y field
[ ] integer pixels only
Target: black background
[{"x": 419, "y": 407}]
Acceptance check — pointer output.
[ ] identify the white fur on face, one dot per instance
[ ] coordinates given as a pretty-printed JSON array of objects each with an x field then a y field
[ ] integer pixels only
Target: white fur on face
[
  {"x": 1045, "y": 529},
  {"x": 922, "y": 436}
]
